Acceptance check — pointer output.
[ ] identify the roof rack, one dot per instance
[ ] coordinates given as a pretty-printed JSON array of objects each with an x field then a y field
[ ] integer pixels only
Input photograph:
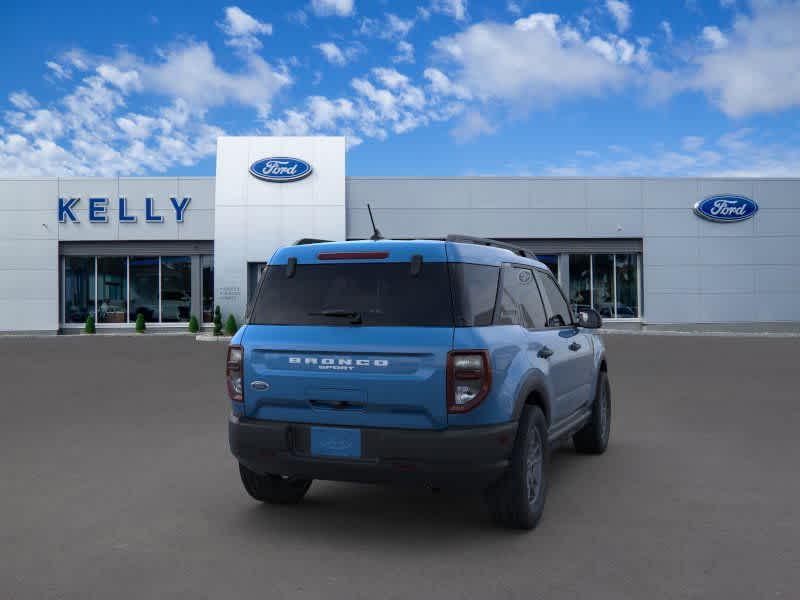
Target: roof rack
[
  {"x": 468, "y": 239},
  {"x": 304, "y": 241}
]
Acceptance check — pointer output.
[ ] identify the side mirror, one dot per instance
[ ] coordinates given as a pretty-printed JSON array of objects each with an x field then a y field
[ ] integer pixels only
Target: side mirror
[{"x": 589, "y": 318}]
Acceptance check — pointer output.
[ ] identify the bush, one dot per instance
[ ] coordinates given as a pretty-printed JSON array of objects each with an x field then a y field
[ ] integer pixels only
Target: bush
[
  {"x": 193, "y": 325},
  {"x": 230, "y": 325},
  {"x": 140, "y": 325},
  {"x": 89, "y": 327},
  {"x": 217, "y": 321}
]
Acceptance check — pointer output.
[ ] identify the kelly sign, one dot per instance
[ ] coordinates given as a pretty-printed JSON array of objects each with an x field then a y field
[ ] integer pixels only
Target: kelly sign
[{"x": 98, "y": 210}]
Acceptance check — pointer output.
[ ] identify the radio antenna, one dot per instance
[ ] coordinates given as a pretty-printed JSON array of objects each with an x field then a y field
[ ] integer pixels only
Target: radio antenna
[{"x": 376, "y": 235}]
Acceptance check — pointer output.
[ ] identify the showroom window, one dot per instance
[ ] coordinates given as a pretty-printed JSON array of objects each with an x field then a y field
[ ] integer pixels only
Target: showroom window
[
  {"x": 207, "y": 272},
  {"x": 112, "y": 289},
  {"x": 144, "y": 288},
  {"x": 609, "y": 283},
  {"x": 117, "y": 289},
  {"x": 79, "y": 288},
  {"x": 176, "y": 289}
]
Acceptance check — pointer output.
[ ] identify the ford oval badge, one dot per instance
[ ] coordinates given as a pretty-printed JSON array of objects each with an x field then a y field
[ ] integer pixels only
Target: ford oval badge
[
  {"x": 280, "y": 169},
  {"x": 725, "y": 208}
]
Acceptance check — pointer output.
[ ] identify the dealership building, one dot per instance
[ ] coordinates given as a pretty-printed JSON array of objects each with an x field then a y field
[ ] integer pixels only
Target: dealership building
[{"x": 639, "y": 250}]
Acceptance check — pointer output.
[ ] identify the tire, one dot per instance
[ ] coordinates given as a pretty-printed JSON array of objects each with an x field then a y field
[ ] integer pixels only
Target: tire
[
  {"x": 517, "y": 500},
  {"x": 593, "y": 437},
  {"x": 273, "y": 489}
]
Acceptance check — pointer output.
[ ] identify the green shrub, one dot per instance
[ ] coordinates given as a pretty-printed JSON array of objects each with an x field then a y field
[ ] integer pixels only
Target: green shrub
[
  {"x": 193, "y": 326},
  {"x": 230, "y": 325},
  {"x": 89, "y": 327},
  {"x": 140, "y": 325},
  {"x": 217, "y": 321}
]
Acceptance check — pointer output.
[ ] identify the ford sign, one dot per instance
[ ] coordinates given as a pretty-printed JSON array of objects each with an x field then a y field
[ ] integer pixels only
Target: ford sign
[
  {"x": 726, "y": 209},
  {"x": 280, "y": 169}
]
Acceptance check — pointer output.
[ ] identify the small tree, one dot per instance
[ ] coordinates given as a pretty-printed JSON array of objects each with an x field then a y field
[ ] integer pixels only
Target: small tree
[
  {"x": 193, "y": 326},
  {"x": 140, "y": 326},
  {"x": 217, "y": 321},
  {"x": 89, "y": 327},
  {"x": 230, "y": 325}
]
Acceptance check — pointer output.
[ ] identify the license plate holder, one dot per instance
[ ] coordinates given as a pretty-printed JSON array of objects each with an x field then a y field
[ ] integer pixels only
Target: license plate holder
[{"x": 336, "y": 442}]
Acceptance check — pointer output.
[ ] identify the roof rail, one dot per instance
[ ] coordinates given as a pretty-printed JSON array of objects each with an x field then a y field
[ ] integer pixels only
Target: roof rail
[
  {"x": 304, "y": 241},
  {"x": 468, "y": 239}
]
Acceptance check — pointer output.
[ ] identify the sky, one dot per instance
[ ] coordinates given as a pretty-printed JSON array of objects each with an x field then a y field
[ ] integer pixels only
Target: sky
[{"x": 429, "y": 88}]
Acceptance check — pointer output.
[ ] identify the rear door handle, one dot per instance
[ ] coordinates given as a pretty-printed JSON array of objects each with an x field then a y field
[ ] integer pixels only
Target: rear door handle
[
  {"x": 545, "y": 352},
  {"x": 574, "y": 346}
]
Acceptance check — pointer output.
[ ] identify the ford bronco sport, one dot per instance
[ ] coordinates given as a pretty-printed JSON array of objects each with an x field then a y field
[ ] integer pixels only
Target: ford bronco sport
[{"x": 452, "y": 361}]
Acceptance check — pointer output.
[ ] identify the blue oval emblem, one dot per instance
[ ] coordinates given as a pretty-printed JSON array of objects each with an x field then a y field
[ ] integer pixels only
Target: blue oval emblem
[
  {"x": 726, "y": 209},
  {"x": 280, "y": 169}
]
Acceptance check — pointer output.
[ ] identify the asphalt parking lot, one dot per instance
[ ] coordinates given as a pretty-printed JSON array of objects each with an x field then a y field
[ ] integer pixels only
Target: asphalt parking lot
[{"x": 117, "y": 483}]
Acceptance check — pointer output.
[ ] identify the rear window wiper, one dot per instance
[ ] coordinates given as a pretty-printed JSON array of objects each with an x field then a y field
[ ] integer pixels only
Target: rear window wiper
[{"x": 354, "y": 316}]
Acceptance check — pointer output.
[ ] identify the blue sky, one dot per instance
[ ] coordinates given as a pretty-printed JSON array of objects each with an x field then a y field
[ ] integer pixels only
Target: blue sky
[{"x": 437, "y": 87}]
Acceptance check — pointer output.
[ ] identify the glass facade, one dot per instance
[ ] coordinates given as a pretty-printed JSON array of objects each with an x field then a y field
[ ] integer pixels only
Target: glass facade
[
  {"x": 207, "y": 272},
  {"x": 79, "y": 288},
  {"x": 176, "y": 289},
  {"x": 144, "y": 288},
  {"x": 116, "y": 289},
  {"x": 112, "y": 289},
  {"x": 609, "y": 283}
]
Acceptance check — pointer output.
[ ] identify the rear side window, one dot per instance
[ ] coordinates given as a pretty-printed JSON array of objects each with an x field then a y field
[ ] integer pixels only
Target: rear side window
[
  {"x": 380, "y": 294},
  {"x": 474, "y": 293},
  {"x": 520, "y": 301},
  {"x": 559, "y": 310}
]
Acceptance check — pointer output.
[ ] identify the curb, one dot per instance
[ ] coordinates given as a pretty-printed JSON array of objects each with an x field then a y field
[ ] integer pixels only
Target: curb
[
  {"x": 213, "y": 338},
  {"x": 730, "y": 334}
]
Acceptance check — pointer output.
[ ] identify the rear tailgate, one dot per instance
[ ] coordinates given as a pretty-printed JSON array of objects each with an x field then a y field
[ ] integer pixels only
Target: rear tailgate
[
  {"x": 359, "y": 376},
  {"x": 351, "y": 333}
]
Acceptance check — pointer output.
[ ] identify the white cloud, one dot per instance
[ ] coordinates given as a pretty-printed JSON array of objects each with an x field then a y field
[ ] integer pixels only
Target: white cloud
[
  {"x": 692, "y": 143},
  {"x": 715, "y": 37},
  {"x": 336, "y": 55},
  {"x": 514, "y": 8},
  {"x": 621, "y": 11},
  {"x": 471, "y": 125},
  {"x": 391, "y": 27},
  {"x": 666, "y": 27},
  {"x": 536, "y": 60},
  {"x": 57, "y": 70},
  {"x": 398, "y": 27},
  {"x": 190, "y": 72},
  {"x": 441, "y": 84},
  {"x": 405, "y": 53},
  {"x": 735, "y": 154},
  {"x": 22, "y": 100},
  {"x": 758, "y": 70},
  {"x": 727, "y": 3},
  {"x": 243, "y": 29},
  {"x": 385, "y": 101},
  {"x": 453, "y": 8},
  {"x": 91, "y": 130},
  {"x": 339, "y": 8}
]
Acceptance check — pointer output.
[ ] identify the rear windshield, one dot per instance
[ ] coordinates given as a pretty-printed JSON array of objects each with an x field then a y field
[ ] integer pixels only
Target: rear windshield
[{"x": 377, "y": 294}]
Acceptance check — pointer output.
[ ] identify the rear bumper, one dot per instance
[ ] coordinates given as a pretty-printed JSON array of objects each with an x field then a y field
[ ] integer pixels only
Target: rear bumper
[{"x": 473, "y": 456}]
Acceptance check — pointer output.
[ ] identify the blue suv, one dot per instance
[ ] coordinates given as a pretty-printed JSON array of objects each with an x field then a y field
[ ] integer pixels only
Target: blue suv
[{"x": 455, "y": 361}]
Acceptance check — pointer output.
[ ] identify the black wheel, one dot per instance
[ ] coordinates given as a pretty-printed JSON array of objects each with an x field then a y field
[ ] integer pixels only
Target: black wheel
[
  {"x": 593, "y": 437},
  {"x": 273, "y": 488},
  {"x": 517, "y": 500}
]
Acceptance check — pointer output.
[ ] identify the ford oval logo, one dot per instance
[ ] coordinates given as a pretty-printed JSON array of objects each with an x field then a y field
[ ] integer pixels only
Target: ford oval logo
[
  {"x": 280, "y": 169},
  {"x": 726, "y": 209}
]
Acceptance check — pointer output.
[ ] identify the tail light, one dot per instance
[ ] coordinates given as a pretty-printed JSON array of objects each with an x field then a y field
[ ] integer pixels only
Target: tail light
[
  {"x": 469, "y": 377},
  {"x": 233, "y": 373}
]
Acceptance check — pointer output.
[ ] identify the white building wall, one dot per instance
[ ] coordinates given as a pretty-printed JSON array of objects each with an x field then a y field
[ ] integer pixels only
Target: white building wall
[
  {"x": 28, "y": 255},
  {"x": 30, "y": 233},
  {"x": 254, "y": 217},
  {"x": 694, "y": 271}
]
